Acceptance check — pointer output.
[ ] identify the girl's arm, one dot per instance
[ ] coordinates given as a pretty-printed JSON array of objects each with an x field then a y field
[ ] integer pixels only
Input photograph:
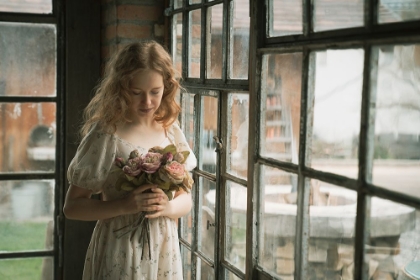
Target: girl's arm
[
  {"x": 78, "y": 204},
  {"x": 174, "y": 209}
]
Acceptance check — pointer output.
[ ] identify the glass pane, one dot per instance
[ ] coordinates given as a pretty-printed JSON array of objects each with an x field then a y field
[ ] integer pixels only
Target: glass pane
[
  {"x": 26, "y": 6},
  {"x": 178, "y": 3},
  {"x": 177, "y": 43},
  {"x": 393, "y": 248},
  {"x": 236, "y": 224},
  {"x": 208, "y": 220},
  {"x": 280, "y": 106},
  {"x": 331, "y": 229},
  {"x": 194, "y": 52},
  {"x": 26, "y": 216},
  {"x": 214, "y": 58},
  {"x": 278, "y": 221},
  {"x": 27, "y": 59},
  {"x": 231, "y": 276},
  {"x": 338, "y": 14},
  {"x": 188, "y": 118},
  {"x": 285, "y": 18},
  {"x": 237, "y": 148},
  {"x": 336, "y": 113},
  {"x": 396, "y": 164},
  {"x": 27, "y": 137},
  {"x": 395, "y": 11},
  {"x": 186, "y": 261},
  {"x": 208, "y": 131},
  {"x": 195, "y": 1},
  {"x": 27, "y": 269},
  {"x": 239, "y": 49},
  {"x": 188, "y": 129},
  {"x": 187, "y": 221},
  {"x": 205, "y": 272}
]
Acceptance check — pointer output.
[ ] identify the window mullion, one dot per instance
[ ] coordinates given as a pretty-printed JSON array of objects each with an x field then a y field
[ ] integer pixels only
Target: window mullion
[
  {"x": 371, "y": 14},
  {"x": 197, "y": 205},
  {"x": 362, "y": 226},
  {"x": 307, "y": 17},
  {"x": 205, "y": 38},
  {"x": 227, "y": 39},
  {"x": 222, "y": 194},
  {"x": 302, "y": 215},
  {"x": 256, "y": 39},
  {"x": 185, "y": 42}
]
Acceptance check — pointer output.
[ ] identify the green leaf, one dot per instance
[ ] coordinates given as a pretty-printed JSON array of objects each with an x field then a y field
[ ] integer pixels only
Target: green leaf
[
  {"x": 129, "y": 178},
  {"x": 185, "y": 154},
  {"x": 170, "y": 149},
  {"x": 165, "y": 185},
  {"x": 157, "y": 180},
  {"x": 149, "y": 178},
  {"x": 115, "y": 169},
  {"x": 169, "y": 194},
  {"x": 127, "y": 186},
  {"x": 138, "y": 181},
  {"x": 173, "y": 187},
  {"x": 121, "y": 179}
]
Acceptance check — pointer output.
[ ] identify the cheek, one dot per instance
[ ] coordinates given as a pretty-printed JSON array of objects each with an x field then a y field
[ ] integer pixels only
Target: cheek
[{"x": 159, "y": 98}]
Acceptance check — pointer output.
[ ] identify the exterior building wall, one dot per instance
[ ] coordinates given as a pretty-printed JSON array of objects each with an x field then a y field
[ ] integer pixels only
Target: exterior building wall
[{"x": 129, "y": 21}]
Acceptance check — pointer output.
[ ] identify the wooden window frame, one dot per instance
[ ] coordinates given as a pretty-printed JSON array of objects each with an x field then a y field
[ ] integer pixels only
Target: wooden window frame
[{"x": 366, "y": 37}]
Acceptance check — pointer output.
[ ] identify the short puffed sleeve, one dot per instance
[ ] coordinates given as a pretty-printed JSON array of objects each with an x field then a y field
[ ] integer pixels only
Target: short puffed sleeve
[
  {"x": 94, "y": 158},
  {"x": 182, "y": 145}
]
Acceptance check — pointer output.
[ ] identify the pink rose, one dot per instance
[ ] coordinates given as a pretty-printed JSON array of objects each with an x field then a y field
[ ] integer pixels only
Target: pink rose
[
  {"x": 179, "y": 157},
  {"x": 134, "y": 154},
  {"x": 172, "y": 172},
  {"x": 120, "y": 162},
  {"x": 168, "y": 157},
  {"x": 150, "y": 162},
  {"x": 132, "y": 168},
  {"x": 156, "y": 149},
  {"x": 188, "y": 181}
]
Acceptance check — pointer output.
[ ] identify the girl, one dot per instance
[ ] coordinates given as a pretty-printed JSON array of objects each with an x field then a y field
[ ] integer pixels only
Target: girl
[{"x": 134, "y": 108}]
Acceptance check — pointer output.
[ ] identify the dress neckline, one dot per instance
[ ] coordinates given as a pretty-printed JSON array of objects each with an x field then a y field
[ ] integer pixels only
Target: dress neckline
[{"x": 140, "y": 147}]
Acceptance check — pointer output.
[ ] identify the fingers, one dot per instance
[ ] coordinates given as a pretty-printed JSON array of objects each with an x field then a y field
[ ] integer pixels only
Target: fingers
[
  {"x": 149, "y": 198},
  {"x": 160, "y": 206},
  {"x": 144, "y": 188},
  {"x": 148, "y": 201},
  {"x": 152, "y": 200}
]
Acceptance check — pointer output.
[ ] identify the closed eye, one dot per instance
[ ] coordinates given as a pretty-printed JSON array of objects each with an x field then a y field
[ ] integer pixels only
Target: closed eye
[{"x": 154, "y": 91}]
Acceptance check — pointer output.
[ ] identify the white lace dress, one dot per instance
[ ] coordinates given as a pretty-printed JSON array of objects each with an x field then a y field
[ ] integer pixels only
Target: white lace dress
[{"x": 109, "y": 257}]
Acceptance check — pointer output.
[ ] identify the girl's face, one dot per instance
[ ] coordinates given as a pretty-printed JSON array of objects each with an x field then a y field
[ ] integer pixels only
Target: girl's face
[{"x": 146, "y": 90}]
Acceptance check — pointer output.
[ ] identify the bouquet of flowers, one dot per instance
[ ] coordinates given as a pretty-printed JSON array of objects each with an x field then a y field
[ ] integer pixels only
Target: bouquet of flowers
[{"x": 163, "y": 167}]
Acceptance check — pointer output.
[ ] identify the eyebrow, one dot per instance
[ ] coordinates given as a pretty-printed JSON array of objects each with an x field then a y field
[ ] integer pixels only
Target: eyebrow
[{"x": 155, "y": 88}]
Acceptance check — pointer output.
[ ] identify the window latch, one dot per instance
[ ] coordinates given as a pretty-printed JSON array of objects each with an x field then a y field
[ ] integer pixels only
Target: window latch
[
  {"x": 219, "y": 144},
  {"x": 210, "y": 224}
]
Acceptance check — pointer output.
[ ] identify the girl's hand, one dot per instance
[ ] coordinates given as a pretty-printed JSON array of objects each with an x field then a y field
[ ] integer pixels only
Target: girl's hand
[
  {"x": 162, "y": 208},
  {"x": 144, "y": 199}
]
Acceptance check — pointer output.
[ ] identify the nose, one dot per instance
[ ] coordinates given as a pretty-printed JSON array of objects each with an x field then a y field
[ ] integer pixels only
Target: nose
[{"x": 146, "y": 98}]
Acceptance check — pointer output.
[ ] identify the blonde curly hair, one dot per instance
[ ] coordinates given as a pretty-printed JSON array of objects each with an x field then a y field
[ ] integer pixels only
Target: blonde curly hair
[{"x": 109, "y": 106}]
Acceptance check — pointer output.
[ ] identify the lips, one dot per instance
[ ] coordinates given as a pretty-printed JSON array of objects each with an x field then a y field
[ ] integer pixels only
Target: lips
[{"x": 146, "y": 110}]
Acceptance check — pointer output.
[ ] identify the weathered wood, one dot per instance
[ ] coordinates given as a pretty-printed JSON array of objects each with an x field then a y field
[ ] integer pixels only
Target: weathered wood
[{"x": 82, "y": 73}]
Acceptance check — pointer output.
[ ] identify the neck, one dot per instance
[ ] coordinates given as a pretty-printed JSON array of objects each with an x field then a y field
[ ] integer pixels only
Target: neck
[{"x": 142, "y": 122}]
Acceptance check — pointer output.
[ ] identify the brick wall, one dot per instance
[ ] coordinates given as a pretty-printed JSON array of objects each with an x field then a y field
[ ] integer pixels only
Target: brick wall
[{"x": 126, "y": 21}]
